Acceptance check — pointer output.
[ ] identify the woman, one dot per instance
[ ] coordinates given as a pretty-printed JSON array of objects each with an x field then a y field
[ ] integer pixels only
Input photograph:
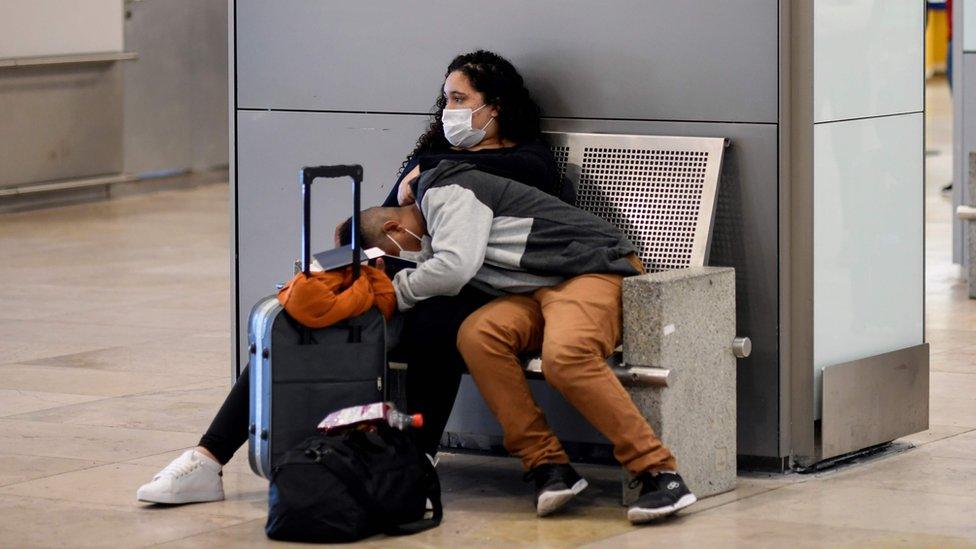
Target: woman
[{"x": 485, "y": 116}]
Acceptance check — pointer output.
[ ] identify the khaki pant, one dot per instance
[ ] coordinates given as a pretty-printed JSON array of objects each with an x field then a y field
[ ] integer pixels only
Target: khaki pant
[{"x": 576, "y": 325}]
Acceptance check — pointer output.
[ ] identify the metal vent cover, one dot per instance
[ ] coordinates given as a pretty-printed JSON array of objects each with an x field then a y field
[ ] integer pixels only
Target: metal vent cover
[{"x": 659, "y": 190}]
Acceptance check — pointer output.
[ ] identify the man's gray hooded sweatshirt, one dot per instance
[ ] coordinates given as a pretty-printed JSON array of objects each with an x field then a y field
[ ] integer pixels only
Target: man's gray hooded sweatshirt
[{"x": 503, "y": 237}]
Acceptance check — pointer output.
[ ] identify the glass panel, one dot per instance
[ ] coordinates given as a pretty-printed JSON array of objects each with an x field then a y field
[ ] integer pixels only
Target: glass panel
[
  {"x": 969, "y": 25},
  {"x": 867, "y": 239},
  {"x": 867, "y": 58}
]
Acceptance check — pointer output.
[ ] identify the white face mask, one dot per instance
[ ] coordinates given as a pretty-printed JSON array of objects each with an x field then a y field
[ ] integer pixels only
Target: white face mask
[
  {"x": 458, "y": 129},
  {"x": 407, "y": 254},
  {"x": 425, "y": 253}
]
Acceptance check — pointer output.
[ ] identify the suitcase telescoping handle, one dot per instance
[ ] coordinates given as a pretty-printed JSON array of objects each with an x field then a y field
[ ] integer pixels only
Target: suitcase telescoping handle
[{"x": 308, "y": 176}]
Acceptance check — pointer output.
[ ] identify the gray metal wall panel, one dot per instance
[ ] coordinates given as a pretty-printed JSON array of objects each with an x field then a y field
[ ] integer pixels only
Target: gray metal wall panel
[
  {"x": 176, "y": 92},
  {"x": 60, "y": 122},
  {"x": 157, "y": 106},
  {"x": 208, "y": 108},
  {"x": 272, "y": 148},
  {"x": 636, "y": 59}
]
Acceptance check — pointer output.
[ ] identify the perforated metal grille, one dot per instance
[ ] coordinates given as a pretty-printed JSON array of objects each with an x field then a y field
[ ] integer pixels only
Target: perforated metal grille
[
  {"x": 653, "y": 195},
  {"x": 562, "y": 158}
]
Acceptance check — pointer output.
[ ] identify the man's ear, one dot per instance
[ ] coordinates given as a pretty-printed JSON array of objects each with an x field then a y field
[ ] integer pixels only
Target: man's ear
[{"x": 390, "y": 226}]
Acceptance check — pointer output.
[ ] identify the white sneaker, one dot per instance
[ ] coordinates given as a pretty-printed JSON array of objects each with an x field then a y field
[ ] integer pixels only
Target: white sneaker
[{"x": 190, "y": 478}]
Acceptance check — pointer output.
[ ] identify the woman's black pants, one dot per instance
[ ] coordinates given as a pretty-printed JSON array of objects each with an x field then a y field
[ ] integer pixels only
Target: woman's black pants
[{"x": 428, "y": 344}]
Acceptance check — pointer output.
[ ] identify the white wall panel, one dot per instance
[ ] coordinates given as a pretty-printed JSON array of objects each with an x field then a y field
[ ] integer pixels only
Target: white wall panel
[
  {"x": 59, "y": 27},
  {"x": 868, "y": 58},
  {"x": 868, "y": 263},
  {"x": 968, "y": 25}
]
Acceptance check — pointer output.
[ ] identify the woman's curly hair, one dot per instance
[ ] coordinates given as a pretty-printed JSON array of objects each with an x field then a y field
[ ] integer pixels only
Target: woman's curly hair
[{"x": 503, "y": 88}]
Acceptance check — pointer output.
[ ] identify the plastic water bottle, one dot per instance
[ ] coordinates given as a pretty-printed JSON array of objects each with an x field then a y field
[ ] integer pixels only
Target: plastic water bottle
[
  {"x": 369, "y": 415},
  {"x": 401, "y": 421}
]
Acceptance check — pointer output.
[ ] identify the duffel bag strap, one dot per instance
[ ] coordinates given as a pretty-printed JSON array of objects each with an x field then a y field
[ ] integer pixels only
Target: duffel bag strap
[
  {"x": 347, "y": 475},
  {"x": 434, "y": 495}
]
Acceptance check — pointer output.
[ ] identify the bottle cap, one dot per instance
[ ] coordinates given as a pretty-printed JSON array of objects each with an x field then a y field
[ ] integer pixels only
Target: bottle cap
[{"x": 417, "y": 420}]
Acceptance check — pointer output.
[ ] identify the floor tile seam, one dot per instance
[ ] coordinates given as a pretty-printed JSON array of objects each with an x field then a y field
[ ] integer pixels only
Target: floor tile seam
[
  {"x": 969, "y": 429},
  {"x": 193, "y": 386},
  {"x": 18, "y": 390},
  {"x": 692, "y": 510},
  {"x": 898, "y": 528},
  {"x": 184, "y": 511},
  {"x": 154, "y": 454},
  {"x": 869, "y": 485},
  {"x": 151, "y": 392},
  {"x": 85, "y": 468},
  {"x": 122, "y": 325},
  {"x": 101, "y": 308},
  {"x": 813, "y": 520},
  {"x": 787, "y": 522},
  {"x": 72, "y": 322},
  {"x": 83, "y": 424},
  {"x": 140, "y": 507},
  {"x": 98, "y": 398},
  {"x": 106, "y": 427},
  {"x": 198, "y": 378},
  {"x": 202, "y": 533},
  {"x": 876, "y": 485},
  {"x": 23, "y": 362},
  {"x": 117, "y": 348}
]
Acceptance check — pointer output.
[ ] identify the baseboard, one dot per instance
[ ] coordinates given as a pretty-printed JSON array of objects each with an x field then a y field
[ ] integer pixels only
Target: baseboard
[{"x": 50, "y": 194}]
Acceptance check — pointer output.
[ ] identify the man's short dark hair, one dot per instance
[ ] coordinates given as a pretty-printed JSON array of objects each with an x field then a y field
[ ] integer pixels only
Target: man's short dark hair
[
  {"x": 371, "y": 227},
  {"x": 345, "y": 232}
]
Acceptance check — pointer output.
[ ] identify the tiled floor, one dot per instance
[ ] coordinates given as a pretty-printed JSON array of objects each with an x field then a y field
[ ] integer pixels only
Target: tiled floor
[{"x": 114, "y": 354}]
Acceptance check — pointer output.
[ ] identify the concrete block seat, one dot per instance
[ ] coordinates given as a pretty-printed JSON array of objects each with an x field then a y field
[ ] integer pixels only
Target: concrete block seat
[
  {"x": 679, "y": 349},
  {"x": 967, "y": 213}
]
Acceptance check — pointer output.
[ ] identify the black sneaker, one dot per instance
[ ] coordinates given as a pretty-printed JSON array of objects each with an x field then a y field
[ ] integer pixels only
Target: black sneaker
[
  {"x": 661, "y": 495},
  {"x": 556, "y": 484}
]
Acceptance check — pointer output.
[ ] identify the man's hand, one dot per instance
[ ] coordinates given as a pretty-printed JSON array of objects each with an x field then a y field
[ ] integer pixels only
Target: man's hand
[{"x": 405, "y": 191}]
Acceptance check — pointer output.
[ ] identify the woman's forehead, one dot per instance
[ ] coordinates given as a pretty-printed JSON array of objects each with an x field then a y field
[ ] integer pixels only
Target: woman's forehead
[{"x": 457, "y": 81}]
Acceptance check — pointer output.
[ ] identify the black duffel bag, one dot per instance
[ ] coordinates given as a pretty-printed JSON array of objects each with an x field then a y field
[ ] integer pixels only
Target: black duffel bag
[{"x": 349, "y": 486}]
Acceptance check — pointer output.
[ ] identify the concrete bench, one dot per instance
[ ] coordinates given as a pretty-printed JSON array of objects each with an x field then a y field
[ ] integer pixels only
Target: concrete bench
[
  {"x": 679, "y": 350},
  {"x": 967, "y": 213}
]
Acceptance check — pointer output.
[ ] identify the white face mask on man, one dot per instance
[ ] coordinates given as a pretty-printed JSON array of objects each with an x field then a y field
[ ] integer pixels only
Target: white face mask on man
[
  {"x": 458, "y": 130},
  {"x": 417, "y": 257}
]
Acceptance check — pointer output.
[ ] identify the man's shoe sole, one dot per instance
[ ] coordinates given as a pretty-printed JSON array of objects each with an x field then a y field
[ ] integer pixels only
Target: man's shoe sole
[
  {"x": 554, "y": 500},
  {"x": 170, "y": 499},
  {"x": 639, "y": 515}
]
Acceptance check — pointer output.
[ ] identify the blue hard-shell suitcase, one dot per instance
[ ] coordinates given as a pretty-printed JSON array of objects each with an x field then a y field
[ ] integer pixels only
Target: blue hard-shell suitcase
[{"x": 298, "y": 374}]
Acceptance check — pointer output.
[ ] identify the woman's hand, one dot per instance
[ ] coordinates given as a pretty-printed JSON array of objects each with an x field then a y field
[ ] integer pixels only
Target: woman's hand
[{"x": 405, "y": 192}]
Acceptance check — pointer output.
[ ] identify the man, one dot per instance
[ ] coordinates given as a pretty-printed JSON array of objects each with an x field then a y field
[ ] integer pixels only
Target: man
[{"x": 558, "y": 272}]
